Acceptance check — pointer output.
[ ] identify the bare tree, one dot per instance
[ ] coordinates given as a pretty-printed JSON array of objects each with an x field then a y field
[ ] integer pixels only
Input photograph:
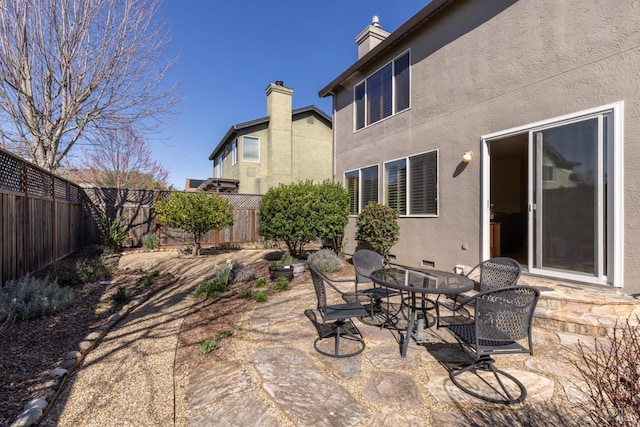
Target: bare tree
[
  {"x": 121, "y": 159},
  {"x": 71, "y": 68}
]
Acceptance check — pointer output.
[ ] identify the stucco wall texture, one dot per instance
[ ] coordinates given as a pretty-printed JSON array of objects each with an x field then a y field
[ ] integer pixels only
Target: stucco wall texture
[{"x": 481, "y": 67}]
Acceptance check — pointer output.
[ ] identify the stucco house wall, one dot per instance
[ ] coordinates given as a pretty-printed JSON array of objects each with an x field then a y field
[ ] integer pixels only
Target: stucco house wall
[
  {"x": 482, "y": 67},
  {"x": 294, "y": 145}
]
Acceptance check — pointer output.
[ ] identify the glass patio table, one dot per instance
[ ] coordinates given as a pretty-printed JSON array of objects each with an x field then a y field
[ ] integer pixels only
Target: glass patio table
[{"x": 417, "y": 284}]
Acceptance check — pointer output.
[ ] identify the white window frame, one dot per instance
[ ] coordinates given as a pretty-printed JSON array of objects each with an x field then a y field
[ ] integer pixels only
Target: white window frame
[
  {"x": 360, "y": 184},
  {"x": 615, "y": 178},
  {"x": 219, "y": 170},
  {"x": 408, "y": 184},
  {"x": 234, "y": 152},
  {"x": 394, "y": 110},
  {"x": 244, "y": 143}
]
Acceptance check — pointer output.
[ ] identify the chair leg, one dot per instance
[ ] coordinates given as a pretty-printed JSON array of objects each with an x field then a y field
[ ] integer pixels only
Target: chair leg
[
  {"x": 487, "y": 364},
  {"x": 341, "y": 330}
]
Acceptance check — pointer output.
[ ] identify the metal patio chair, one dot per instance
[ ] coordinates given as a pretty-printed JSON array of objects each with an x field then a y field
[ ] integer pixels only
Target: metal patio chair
[
  {"x": 502, "y": 324},
  {"x": 495, "y": 273},
  {"x": 365, "y": 262},
  {"x": 335, "y": 328}
]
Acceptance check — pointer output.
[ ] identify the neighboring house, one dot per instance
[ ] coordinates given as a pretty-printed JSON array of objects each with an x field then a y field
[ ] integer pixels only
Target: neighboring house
[
  {"x": 535, "y": 93},
  {"x": 284, "y": 147}
]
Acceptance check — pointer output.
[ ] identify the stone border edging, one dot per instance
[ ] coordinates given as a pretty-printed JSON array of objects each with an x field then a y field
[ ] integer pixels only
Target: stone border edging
[{"x": 35, "y": 410}]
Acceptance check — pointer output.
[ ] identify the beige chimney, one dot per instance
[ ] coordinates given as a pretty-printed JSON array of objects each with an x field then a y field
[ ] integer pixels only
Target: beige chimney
[
  {"x": 370, "y": 37},
  {"x": 279, "y": 110}
]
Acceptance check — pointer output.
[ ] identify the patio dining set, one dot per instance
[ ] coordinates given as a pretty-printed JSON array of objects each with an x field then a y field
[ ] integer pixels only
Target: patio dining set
[{"x": 411, "y": 302}]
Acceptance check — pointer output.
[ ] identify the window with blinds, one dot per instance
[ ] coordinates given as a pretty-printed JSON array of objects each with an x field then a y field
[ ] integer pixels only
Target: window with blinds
[
  {"x": 395, "y": 186},
  {"x": 411, "y": 184},
  {"x": 362, "y": 186},
  {"x": 382, "y": 94}
]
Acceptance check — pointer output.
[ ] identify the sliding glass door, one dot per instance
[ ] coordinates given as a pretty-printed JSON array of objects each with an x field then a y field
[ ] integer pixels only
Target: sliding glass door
[{"x": 569, "y": 198}]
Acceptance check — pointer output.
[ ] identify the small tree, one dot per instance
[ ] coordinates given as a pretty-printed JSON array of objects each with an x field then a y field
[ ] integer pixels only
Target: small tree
[
  {"x": 195, "y": 213},
  {"x": 377, "y": 228}
]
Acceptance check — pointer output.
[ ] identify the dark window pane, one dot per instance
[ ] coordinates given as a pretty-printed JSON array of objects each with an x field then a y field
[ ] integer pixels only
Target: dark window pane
[
  {"x": 424, "y": 184},
  {"x": 402, "y": 83},
  {"x": 379, "y": 95},
  {"x": 369, "y": 185},
  {"x": 351, "y": 182},
  {"x": 396, "y": 185},
  {"x": 359, "y": 105}
]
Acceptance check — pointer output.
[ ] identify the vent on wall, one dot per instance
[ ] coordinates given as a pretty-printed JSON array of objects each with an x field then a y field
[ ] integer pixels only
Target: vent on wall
[{"x": 430, "y": 264}]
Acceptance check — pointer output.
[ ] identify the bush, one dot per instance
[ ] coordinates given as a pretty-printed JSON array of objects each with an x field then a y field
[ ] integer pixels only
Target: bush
[
  {"x": 210, "y": 289},
  {"x": 31, "y": 297},
  {"x": 377, "y": 228},
  {"x": 261, "y": 282},
  {"x": 114, "y": 231},
  {"x": 282, "y": 284},
  {"x": 243, "y": 273},
  {"x": 302, "y": 212},
  {"x": 612, "y": 373},
  {"x": 326, "y": 260},
  {"x": 122, "y": 295},
  {"x": 149, "y": 241},
  {"x": 260, "y": 297},
  {"x": 82, "y": 271},
  {"x": 245, "y": 293}
]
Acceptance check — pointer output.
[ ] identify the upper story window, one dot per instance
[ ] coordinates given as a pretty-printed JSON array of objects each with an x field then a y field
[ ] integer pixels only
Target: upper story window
[
  {"x": 250, "y": 149},
  {"x": 362, "y": 186},
  {"x": 234, "y": 152},
  {"x": 412, "y": 182},
  {"x": 384, "y": 93},
  {"x": 219, "y": 172}
]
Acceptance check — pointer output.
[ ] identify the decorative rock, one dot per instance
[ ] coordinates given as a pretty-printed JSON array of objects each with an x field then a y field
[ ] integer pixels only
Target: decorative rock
[
  {"x": 59, "y": 373},
  {"x": 69, "y": 363},
  {"x": 47, "y": 395},
  {"x": 93, "y": 336},
  {"x": 115, "y": 317},
  {"x": 36, "y": 403},
  {"x": 27, "y": 418},
  {"x": 84, "y": 346},
  {"x": 73, "y": 355}
]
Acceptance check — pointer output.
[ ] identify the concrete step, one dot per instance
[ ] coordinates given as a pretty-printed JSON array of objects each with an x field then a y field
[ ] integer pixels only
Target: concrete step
[{"x": 581, "y": 309}]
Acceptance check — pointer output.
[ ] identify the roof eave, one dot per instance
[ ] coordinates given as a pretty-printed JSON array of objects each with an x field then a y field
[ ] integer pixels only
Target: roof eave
[{"x": 417, "y": 20}]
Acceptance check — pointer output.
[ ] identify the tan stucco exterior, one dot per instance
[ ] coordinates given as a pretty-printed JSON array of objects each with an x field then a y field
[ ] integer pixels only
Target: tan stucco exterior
[
  {"x": 294, "y": 145},
  {"x": 478, "y": 68}
]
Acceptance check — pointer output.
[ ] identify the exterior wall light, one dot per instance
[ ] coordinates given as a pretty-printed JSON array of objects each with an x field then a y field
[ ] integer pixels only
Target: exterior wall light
[{"x": 467, "y": 156}]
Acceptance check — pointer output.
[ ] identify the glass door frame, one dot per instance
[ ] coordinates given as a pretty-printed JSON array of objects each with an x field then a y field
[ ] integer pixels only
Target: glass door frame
[{"x": 615, "y": 204}]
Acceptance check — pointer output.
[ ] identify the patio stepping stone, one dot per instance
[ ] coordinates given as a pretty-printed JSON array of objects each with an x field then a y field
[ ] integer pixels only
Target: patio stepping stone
[
  {"x": 212, "y": 383},
  {"x": 392, "y": 388},
  {"x": 246, "y": 411},
  {"x": 307, "y": 395}
]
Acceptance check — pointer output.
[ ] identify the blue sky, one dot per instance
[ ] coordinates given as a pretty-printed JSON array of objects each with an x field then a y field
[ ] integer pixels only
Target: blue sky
[{"x": 229, "y": 51}]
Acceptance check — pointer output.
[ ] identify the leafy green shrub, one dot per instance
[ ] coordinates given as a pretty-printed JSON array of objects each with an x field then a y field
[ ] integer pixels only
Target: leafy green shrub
[
  {"x": 31, "y": 297},
  {"x": 195, "y": 213},
  {"x": 326, "y": 260},
  {"x": 82, "y": 271},
  {"x": 64, "y": 274},
  {"x": 149, "y": 278},
  {"x": 114, "y": 231},
  {"x": 261, "y": 282},
  {"x": 149, "y": 241},
  {"x": 282, "y": 284},
  {"x": 301, "y": 212},
  {"x": 377, "y": 228},
  {"x": 209, "y": 345},
  {"x": 260, "y": 297},
  {"x": 210, "y": 289},
  {"x": 122, "y": 295}
]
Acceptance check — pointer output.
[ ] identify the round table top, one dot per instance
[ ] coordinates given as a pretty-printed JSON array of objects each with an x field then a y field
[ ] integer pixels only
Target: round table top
[{"x": 423, "y": 281}]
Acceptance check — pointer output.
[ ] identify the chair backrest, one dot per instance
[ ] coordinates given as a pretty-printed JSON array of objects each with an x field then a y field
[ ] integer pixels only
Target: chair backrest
[
  {"x": 504, "y": 315},
  {"x": 318, "y": 284},
  {"x": 499, "y": 272},
  {"x": 365, "y": 262}
]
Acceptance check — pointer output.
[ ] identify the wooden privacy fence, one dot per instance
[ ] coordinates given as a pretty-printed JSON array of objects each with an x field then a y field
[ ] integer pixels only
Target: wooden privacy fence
[
  {"x": 135, "y": 207},
  {"x": 40, "y": 217}
]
